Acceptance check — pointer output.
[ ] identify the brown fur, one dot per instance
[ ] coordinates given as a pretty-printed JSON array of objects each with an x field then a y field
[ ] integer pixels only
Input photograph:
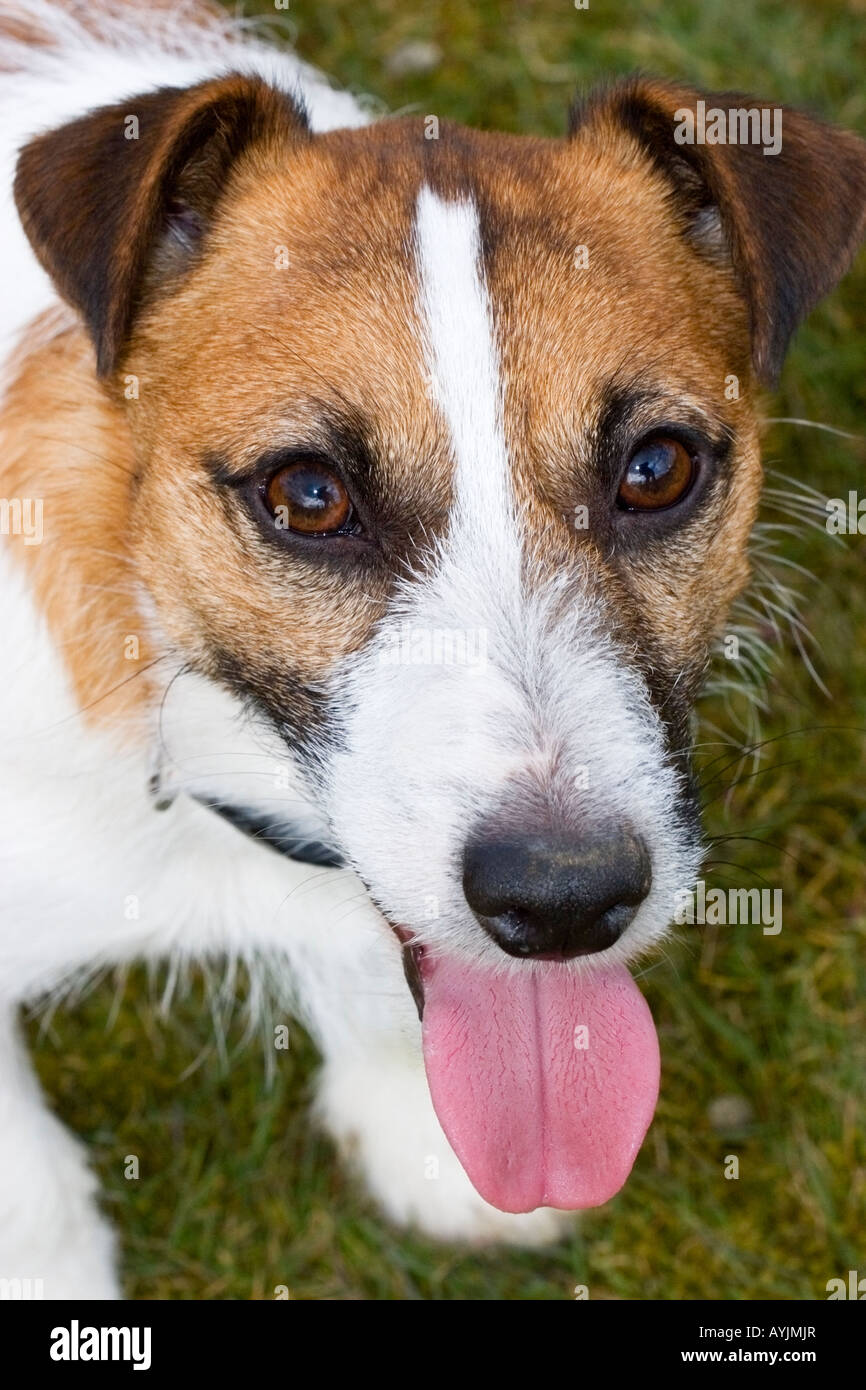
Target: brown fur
[{"x": 62, "y": 440}]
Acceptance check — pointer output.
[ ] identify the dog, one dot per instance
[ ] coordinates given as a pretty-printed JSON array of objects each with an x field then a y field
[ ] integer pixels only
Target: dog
[{"x": 374, "y": 492}]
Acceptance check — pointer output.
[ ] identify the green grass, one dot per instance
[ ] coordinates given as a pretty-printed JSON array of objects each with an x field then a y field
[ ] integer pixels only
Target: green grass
[{"x": 237, "y": 1193}]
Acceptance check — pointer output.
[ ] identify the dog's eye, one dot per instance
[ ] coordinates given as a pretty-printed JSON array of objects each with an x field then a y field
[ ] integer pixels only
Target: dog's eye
[
  {"x": 308, "y": 496},
  {"x": 660, "y": 473}
]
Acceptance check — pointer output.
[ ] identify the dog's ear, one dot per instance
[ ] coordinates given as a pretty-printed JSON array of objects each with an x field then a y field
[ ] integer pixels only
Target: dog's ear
[
  {"x": 790, "y": 221},
  {"x": 125, "y": 194}
]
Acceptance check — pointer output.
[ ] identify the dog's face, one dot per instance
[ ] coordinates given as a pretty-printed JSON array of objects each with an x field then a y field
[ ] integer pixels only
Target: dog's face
[
  {"x": 447, "y": 461},
  {"x": 401, "y": 411}
]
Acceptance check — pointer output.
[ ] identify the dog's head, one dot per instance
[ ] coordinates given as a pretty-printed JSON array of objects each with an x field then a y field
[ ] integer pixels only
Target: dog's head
[{"x": 446, "y": 462}]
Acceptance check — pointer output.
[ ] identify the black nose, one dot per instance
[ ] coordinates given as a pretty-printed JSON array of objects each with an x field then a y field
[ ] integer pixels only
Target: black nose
[{"x": 554, "y": 897}]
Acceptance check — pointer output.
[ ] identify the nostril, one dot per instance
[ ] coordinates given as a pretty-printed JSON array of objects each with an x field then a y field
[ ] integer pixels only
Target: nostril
[
  {"x": 548, "y": 938},
  {"x": 556, "y": 898}
]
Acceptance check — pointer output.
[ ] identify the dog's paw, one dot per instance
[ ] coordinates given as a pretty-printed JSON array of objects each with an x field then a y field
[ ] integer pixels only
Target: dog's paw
[
  {"x": 76, "y": 1262},
  {"x": 382, "y": 1119},
  {"x": 54, "y": 1241}
]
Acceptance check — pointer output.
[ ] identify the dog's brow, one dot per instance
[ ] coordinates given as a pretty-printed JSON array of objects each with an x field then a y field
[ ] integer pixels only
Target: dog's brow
[
  {"x": 338, "y": 432},
  {"x": 635, "y": 408}
]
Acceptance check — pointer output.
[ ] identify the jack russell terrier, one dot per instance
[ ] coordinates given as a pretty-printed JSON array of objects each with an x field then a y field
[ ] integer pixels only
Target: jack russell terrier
[{"x": 373, "y": 495}]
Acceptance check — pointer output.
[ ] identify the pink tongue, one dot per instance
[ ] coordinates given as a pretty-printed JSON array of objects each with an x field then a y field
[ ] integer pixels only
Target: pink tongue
[{"x": 544, "y": 1081}]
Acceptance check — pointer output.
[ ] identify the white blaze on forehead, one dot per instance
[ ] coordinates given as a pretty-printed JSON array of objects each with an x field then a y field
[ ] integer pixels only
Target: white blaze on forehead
[{"x": 461, "y": 357}]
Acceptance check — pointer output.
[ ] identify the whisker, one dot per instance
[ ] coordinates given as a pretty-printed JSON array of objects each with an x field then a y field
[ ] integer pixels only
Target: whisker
[{"x": 811, "y": 424}]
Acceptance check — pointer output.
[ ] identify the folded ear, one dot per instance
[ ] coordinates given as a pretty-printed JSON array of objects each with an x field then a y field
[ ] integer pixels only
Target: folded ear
[
  {"x": 790, "y": 221},
  {"x": 127, "y": 192}
]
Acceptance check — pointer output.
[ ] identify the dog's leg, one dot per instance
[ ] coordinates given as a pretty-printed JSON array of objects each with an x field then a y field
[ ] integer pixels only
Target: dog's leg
[
  {"x": 53, "y": 1238},
  {"x": 377, "y": 1107},
  {"x": 374, "y": 1099}
]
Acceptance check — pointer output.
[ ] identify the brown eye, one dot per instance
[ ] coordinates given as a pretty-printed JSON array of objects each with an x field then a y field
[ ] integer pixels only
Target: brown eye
[
  {"x": 308, "y": 497},
  {"x": 659, "y": 473}
]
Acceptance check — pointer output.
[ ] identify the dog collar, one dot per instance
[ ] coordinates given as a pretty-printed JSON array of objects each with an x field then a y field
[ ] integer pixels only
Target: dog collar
[
  {"x": 274, "y": 835},
  {"x": 263, "y": 829}
]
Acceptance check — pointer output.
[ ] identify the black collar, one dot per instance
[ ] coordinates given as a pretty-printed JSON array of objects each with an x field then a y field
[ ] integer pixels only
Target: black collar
[
  {"x": 307, "y": 851},
  {"x": 274, "y": 835}
]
